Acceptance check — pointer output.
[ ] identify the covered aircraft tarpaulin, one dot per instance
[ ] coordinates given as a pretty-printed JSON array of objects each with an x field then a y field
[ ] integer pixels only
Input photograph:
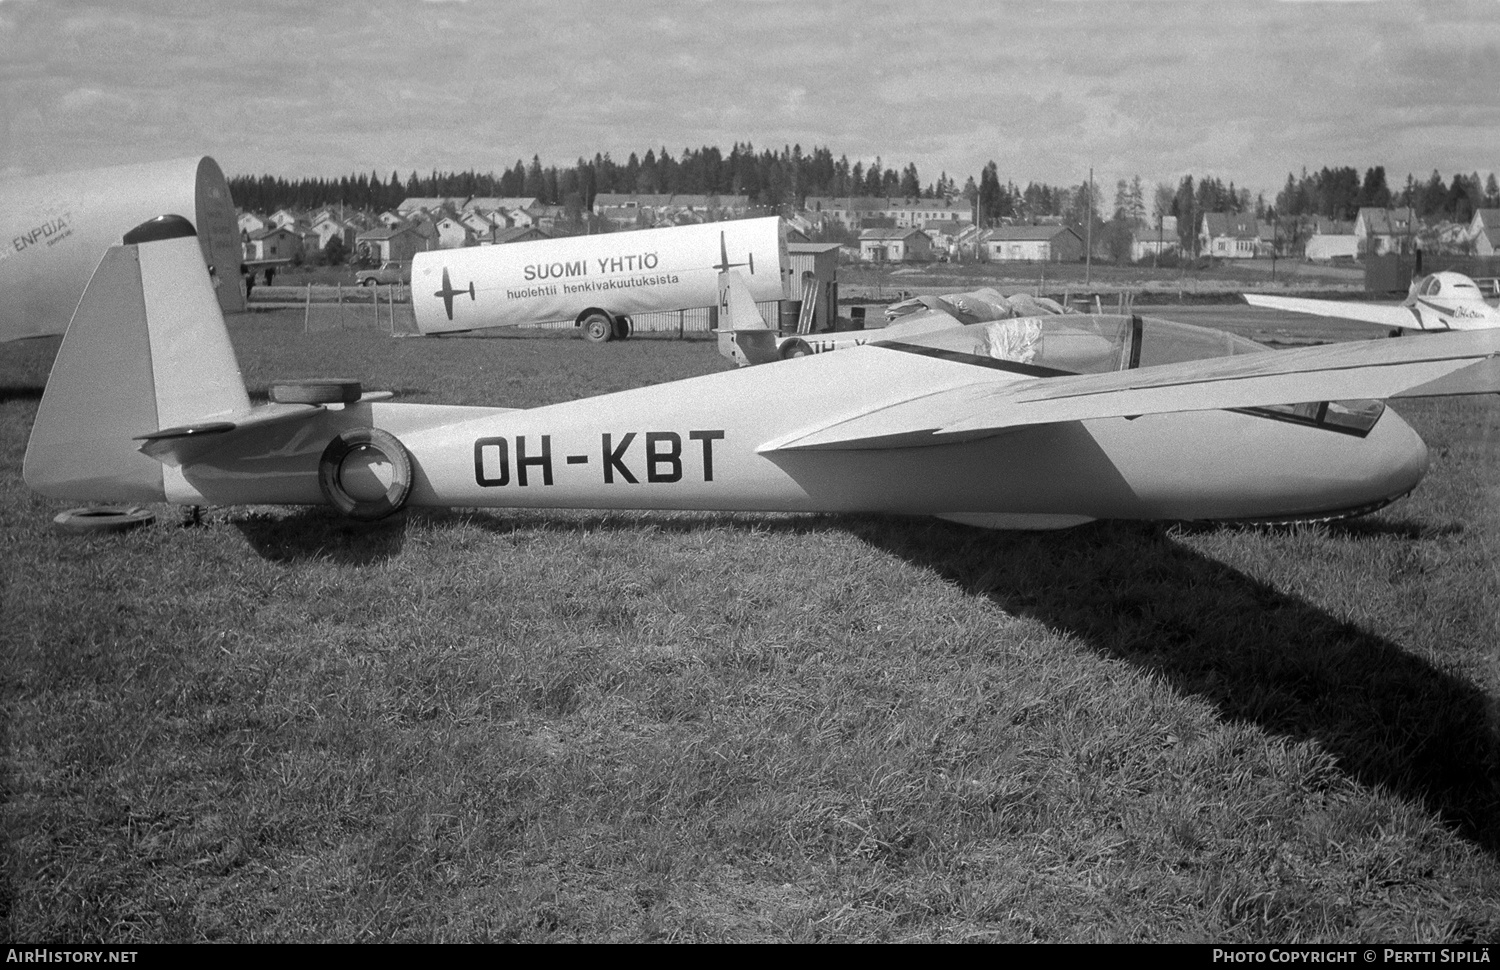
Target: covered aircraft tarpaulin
[
  {"x": 977, "y": 306},
  {"x": 54, "y": 229}
]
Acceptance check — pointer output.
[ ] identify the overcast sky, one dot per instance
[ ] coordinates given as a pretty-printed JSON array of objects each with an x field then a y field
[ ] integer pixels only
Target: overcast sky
[{"x": 1246, "y": 91}]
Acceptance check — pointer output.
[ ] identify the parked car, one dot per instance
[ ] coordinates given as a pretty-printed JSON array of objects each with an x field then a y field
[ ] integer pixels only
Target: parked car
[{"x": 390, "y": 273}]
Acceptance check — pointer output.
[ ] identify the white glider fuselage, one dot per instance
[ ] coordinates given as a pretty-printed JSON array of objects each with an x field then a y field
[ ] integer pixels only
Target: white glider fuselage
[
  {"x": 694, "y": 446},
  {"x": 1027, "y": 423}
]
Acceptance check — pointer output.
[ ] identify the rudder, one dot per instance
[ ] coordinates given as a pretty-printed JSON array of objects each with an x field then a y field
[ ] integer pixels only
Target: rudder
[{"x": 146, "y": 349}]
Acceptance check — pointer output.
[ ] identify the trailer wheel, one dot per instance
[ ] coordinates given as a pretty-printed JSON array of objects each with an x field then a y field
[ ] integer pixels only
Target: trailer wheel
[
  {"x": 598, "y": 327},
  {"x": 623, "y": 328},
  {"x": 360, "y": 496},
  {"x": 795, "y": 348}
]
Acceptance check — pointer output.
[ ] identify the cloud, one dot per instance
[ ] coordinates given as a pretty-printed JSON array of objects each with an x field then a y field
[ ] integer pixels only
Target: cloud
[{"x": 1244, "y": 91}]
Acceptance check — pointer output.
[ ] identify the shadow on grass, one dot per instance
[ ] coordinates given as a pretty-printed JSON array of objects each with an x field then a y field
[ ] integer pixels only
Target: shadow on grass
[
  {"x": 316, "y": 533},
  {"x": 16, "y": 392},
  {"x": 1132, "y": 593},
  {"x": 1261, "y": 656}
]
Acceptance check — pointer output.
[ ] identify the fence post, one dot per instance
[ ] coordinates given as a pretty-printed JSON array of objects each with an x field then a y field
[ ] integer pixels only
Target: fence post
[
  {"x": 307, "y": 310},
  {"x": 681, "y": 326}
]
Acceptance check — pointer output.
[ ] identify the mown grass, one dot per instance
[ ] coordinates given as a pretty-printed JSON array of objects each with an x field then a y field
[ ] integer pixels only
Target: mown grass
[{"x": 583, "y": 726}]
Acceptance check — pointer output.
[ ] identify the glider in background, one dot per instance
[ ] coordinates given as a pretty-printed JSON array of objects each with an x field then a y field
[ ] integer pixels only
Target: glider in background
[
  {"x": 1039, "y": 422},
  {"x": 1442, "y": 301}
]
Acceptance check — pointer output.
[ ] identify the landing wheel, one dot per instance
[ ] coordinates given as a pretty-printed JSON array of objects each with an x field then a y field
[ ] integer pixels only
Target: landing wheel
[
  {"x": 365, "y": 473},
  {"x": 598, "y": 328},
  {"x": 795, "y": 348}
]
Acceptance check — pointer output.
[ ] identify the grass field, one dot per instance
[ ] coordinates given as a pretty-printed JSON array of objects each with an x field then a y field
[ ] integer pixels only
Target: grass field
[{"x": 630, "y": 726}]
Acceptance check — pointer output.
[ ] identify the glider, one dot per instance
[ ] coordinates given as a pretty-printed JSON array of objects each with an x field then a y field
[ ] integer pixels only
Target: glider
[
  {"x": 1442, "y": 301},
  {"x": 1038, "y": 422}
]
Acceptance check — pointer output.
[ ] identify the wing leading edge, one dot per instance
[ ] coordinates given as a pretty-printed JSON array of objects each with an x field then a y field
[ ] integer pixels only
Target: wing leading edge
[
  {"x": 1460, "y": 363},
  {"x": 1384, "y": 315}
]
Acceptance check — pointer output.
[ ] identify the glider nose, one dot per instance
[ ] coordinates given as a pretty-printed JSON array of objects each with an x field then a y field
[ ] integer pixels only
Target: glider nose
[{"x": 1397, "y": 458}]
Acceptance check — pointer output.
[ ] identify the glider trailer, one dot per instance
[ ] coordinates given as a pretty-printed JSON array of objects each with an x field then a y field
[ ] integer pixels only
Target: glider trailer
[
  {"x": 597, "y": 281},
  {"x": 1038, "y": 422}
]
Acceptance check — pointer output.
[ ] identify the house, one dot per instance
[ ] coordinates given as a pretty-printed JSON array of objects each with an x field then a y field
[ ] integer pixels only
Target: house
[
  {"x": 452, "y": 233},
  {"x": 944, "y": 233},
  {"x": 329, "y": 227},
  {"x": 1229, "y": 235},
  {"x": 642, "y": 209},
  {"x": 250, "y": 222},
  {"x": 286, "y": 219},
  {"x": 1381, "y": 231},
  {"x": 517, "y": 234},
  {"x": 1331, "y": 239},
  {"x": 1155, "y": 241},
  {"x": 908, "y": 245},
  {"x": 1032, "y": 244},
  {"x": 273, "y": 242},
  {"x": 384, "y": 245},
  {"x": 861, "y": 211}
]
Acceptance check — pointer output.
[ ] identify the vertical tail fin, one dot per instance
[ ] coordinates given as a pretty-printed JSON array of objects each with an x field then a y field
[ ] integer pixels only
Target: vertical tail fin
[
  {"x": 146, "y": 349},
  {"x": 744, "y": 336}
]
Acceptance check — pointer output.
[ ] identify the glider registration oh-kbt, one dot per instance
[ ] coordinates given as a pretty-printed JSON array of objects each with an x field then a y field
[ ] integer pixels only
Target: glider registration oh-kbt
[{"x": 1030, "y": 423}]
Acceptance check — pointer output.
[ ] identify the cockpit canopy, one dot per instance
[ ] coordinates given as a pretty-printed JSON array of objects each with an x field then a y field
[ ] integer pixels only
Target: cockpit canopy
[
  {"x": 1089, "y": 343},
  {"x": 1101, "y": 343},
  {"x": 1448, "y": 287}
]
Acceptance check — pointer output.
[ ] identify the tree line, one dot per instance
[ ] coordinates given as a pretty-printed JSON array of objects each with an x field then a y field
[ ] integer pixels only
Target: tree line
[{"x": 768, "y": 178}]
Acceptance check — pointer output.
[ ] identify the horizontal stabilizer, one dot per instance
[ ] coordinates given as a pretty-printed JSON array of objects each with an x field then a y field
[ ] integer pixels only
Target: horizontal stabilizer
[
  {"x": 1459, "y": 363},
  {"x": 1384, "y": 315},
  {"x": 185, "y": 443}
]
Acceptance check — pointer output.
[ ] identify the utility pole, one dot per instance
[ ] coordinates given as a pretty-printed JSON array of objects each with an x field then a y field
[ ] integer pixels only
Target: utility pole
[{"x": 1088, "y": 234}]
